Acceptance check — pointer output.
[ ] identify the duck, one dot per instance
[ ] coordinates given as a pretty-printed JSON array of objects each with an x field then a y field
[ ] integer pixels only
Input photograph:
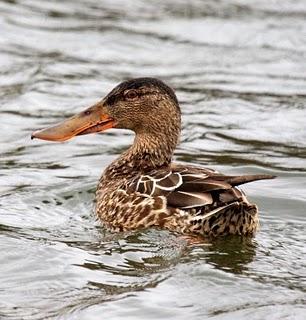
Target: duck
[{"x": 144, "y": 188}]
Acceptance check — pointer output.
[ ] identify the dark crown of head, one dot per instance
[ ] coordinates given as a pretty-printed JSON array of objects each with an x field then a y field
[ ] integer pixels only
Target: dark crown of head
[{"x": 138, "y": 83}]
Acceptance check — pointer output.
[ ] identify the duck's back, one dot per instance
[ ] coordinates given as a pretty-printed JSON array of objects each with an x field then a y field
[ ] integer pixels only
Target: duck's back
[{"x": 186, "y": 199}]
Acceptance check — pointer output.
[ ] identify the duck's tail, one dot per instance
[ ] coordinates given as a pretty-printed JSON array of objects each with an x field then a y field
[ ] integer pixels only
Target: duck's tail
[{"x": 238, "y": 180}]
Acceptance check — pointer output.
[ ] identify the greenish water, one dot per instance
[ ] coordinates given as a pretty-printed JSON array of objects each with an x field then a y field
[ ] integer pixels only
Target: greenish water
[{"x": 239, "y": 69}]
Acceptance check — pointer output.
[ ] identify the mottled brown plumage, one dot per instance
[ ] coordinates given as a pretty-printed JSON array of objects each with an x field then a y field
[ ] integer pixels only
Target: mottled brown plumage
[{"x": 143, "y": 188}]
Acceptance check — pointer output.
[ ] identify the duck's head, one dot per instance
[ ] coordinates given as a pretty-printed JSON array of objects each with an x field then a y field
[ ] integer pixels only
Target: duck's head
[{"x": 146, "y": 106}]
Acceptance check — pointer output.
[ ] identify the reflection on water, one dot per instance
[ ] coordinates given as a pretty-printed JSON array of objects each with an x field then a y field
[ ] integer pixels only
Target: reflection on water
[
  {"x": 232, "y": 255},
  {"x": 239, "y": 71}
]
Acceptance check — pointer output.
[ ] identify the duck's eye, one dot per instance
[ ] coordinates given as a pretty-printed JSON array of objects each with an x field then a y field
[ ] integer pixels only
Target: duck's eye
[{"x": 131, "y": 95}]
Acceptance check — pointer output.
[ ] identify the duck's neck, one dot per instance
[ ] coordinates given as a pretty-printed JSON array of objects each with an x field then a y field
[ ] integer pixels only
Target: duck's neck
[
  {"x": 147, "y": 153},
  {"x": 150, "y": 152}
]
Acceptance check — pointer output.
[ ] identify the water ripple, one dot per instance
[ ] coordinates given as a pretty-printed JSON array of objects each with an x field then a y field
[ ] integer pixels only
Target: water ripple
[{"x": 239, "y": 71}]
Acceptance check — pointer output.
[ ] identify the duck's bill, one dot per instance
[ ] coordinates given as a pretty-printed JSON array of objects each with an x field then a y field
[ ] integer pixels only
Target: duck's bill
[{"x": 93, "y": 119}]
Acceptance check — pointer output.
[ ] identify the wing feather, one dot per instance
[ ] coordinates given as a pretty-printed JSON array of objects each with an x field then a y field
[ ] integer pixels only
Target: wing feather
[
  {"x": 187, "y": 200},
  {"x": 191, "y": 187}
]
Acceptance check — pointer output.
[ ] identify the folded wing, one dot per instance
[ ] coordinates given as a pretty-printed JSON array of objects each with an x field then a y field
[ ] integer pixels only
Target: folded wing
[{"x": 192, "y": 187}]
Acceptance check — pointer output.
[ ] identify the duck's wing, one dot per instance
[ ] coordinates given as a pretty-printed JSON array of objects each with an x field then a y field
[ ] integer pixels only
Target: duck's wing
[{"x": 190, "y": 187}]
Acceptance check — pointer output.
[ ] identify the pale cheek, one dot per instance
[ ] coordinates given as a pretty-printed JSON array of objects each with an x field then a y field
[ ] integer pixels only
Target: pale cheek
[{"x": 125, "y": 123}]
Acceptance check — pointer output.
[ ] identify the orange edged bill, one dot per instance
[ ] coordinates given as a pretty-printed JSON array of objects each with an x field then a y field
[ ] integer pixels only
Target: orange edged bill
[{"x": 93, "y": 119}]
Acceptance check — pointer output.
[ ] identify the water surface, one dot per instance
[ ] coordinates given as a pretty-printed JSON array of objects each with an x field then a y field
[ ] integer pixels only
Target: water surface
[{"x": 239, "y": 72}]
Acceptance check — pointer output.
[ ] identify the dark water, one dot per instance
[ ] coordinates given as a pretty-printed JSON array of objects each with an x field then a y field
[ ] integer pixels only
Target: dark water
[{"x": 239, "y": 69}]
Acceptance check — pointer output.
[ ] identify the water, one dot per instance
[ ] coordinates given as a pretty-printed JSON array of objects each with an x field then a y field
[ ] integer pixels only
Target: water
[{"x": 238, "y": 68}]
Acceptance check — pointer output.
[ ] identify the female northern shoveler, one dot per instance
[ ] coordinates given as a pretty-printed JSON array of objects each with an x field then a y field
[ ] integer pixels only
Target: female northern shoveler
[{"x": 142, "y": 188}]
